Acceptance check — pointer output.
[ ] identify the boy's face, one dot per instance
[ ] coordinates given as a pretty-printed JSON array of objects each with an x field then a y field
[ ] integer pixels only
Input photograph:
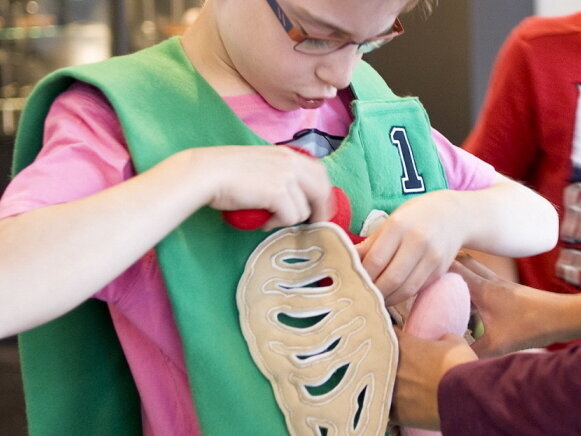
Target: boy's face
[{"x": 258, "y": 51}]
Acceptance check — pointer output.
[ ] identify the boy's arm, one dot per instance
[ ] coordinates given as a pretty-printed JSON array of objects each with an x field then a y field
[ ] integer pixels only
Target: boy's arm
[
  {"x": 420, "y": 240},
  {"x": 54, "y": 258},
  {"x": 508, "y": 219}
]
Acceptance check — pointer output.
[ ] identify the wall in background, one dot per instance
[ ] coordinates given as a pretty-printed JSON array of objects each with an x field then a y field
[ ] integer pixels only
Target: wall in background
[
  {"x": 490, "y": 23},
  {"x": 446, "y": 58},
  {"x": 430, "y": 61},
  {"x": 559, "y": 7}
]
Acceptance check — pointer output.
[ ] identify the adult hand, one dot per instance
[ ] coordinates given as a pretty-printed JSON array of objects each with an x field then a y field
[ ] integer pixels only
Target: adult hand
[
  {"x": 422, "y": 364},
  {"x": 513, "y": 315}
]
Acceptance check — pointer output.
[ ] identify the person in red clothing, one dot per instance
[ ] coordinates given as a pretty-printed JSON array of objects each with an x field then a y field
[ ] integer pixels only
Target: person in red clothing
[
  {"x": 530, "y": 130},
  {"x": 441, "y": 384}
]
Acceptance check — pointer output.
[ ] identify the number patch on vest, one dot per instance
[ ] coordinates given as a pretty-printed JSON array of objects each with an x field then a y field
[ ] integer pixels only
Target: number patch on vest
[{"x": 411, "y": 181}]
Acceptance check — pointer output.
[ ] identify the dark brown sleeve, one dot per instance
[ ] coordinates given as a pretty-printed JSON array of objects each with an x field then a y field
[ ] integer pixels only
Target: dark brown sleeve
[{"x": 519, "y": 394}]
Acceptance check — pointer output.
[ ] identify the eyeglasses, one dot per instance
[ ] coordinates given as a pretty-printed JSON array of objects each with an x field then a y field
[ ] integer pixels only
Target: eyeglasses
[{"x": 320, "y": 45}]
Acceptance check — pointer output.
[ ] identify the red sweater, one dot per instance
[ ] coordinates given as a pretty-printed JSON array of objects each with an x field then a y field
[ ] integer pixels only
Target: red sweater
[
  {"x": 530, "y": 130},
  {"x": 530, "y": 122}
]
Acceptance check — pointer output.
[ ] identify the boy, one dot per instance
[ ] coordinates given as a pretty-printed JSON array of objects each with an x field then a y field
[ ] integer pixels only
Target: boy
[{"x": 178, "y": 108}]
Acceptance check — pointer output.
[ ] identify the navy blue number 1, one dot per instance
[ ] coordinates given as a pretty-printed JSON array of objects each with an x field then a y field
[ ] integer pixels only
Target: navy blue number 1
[{"x": 411, "y": 181}]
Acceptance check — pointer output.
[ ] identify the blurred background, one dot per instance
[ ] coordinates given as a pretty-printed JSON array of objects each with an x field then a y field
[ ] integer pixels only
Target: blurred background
[{"x": 444, "y": 59}]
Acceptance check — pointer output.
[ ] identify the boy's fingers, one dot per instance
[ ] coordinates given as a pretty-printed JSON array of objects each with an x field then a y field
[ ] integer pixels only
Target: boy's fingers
[
  {"x": 399, "y": 331},
  {"x": 322, "y": 210},
  {"x": 362, "y": 247},
  {"x": 319, "y": 195}
]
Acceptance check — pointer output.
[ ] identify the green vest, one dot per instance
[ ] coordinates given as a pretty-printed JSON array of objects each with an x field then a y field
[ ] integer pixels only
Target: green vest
[{"x": 75, "y": 376}]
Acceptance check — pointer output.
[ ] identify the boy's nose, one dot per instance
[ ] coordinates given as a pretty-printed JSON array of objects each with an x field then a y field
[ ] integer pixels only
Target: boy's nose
[{"x": 336, "y": 69}]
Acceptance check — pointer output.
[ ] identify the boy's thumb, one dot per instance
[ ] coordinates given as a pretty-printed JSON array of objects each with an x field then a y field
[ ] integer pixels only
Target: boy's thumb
[{"x": 361, "y": 248}]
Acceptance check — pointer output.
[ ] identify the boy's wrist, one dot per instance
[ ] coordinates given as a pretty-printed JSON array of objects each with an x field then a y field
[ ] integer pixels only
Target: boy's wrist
[{"x": 194, "y": 164}]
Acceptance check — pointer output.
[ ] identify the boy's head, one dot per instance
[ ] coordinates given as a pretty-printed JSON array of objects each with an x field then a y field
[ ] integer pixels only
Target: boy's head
[
  {"x": 426, "y": 5},
  {"x": 294, "y": 53}
]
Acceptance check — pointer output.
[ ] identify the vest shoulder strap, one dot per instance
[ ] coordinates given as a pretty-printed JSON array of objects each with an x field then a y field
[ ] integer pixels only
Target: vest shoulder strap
[{"x": 367, "y": 84}]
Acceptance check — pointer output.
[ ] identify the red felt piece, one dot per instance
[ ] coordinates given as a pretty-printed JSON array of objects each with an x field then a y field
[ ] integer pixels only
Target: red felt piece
[{"x": 247, "y": 219}]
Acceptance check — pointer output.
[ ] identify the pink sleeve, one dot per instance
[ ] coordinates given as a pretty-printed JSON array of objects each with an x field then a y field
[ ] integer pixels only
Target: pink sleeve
[
  {"x": 83, "y": 153},
  {"x": 464, "y": 171}
]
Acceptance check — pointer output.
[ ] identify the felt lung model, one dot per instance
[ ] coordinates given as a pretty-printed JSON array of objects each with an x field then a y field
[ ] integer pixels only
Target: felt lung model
[{"x": 317, "y": 328}]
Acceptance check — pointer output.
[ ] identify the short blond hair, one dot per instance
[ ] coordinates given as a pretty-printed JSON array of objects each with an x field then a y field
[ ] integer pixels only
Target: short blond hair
[{"x": 425, "y": 5}]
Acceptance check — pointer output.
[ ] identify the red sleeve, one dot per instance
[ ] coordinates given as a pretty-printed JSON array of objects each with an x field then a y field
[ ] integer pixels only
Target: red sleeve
[
  {"x": 519, "y": 394},
  {"x": 505, "y": 133}
]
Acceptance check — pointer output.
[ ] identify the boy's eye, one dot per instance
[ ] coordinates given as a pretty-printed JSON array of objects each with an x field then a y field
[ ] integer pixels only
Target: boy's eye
[
  {"x": 369, "y": 46},
  {"x": 316, "y": 44}
]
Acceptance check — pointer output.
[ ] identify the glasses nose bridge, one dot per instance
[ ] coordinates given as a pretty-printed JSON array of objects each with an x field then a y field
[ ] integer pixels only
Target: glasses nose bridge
[
  {"x": 336, "y": 68},
  {"x": 357, "y": 45}
]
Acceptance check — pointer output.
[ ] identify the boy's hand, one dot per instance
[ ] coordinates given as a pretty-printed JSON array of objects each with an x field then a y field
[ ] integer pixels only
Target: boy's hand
[
  {"x": 253, "y": 219},
  {"x": 415, "y": 246},
  {"x": 291, "y": 186}
]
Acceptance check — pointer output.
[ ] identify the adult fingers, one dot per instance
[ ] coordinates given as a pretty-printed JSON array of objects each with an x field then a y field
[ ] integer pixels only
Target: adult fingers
[
  {"x": 482, "y": 347},
  {"x": 476, "y": 283},
  {"x": 473, "y": 265}
]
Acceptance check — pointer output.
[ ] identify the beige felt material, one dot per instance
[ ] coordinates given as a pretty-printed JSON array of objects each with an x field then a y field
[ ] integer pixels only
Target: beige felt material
[{"x": 348, "y": 326}]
